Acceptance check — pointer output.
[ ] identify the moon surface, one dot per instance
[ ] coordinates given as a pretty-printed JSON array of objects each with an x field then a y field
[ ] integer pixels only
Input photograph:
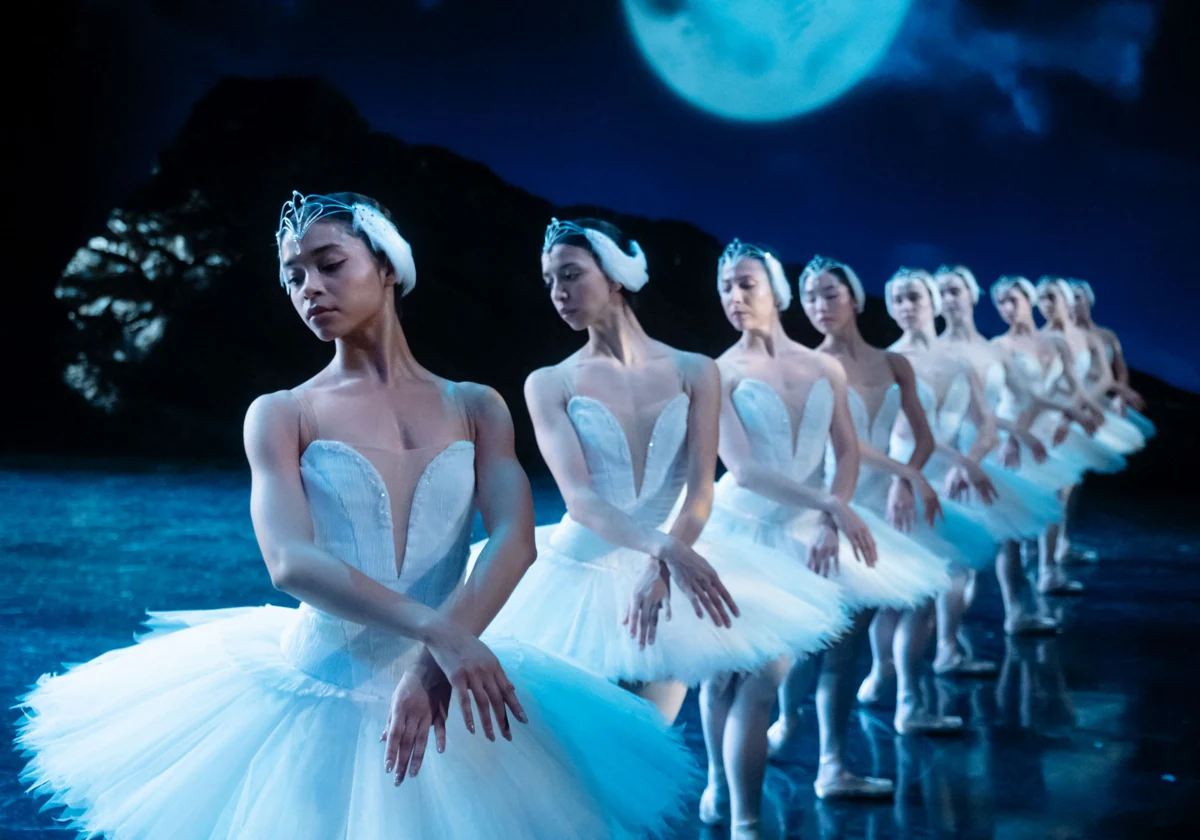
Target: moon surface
[{"x": 763, "y": 60}]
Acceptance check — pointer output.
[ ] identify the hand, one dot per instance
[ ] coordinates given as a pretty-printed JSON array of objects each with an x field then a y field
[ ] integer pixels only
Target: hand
[
  {"x": 1010, "y": 454},
  {"x": 417, "y": 704},
  {"x": 929, "y": 499},
  {"x": 473, "y": 670},
  {"x": 1060, "y": 433},
  {"x": 651, "y": 592},
  {"x": 698, "y": 580},
  {"x": 901, "y": 511},
  {"x": 823, "y": 550},
  {"x": 1038, "y": 450},
  {"x": 861, "y": 539},
  {"x": 957, "y": 485},
  {"x": 982, "y": 483},
  {"x": 1084, "y": 419},
  {"x": 1135, "y": 400}
]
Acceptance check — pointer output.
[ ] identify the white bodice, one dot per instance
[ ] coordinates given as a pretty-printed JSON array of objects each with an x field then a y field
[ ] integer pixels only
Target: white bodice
[
  {"x": 768, "y": 427},
  {"x": 610, "y": 462},
  {"x": 351, "y": 506}
]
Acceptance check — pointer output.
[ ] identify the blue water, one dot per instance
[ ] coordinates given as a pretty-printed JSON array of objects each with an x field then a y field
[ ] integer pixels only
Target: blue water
[{"x": 1091, "y": 735}]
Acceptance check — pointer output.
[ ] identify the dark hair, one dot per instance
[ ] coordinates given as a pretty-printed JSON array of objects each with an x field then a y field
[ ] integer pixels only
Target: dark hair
[
  {"x": 346, "y": 221},
  {"x": 614, "y": 233}
]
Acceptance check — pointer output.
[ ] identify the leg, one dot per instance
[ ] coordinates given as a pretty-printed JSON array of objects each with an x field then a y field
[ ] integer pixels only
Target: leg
[
  {"x": 792, "y": 694},
  {"x": 951, "y": 607},
  {"x": 667, "y": 696},
  {"x": 745, "y": 745},
  {"x": 912, "y": 638},
  {"x": 1019, "y": 618},
  {"x": 1063, "y": 549},
  {"x": 835, "y": 692},
  {"x": 716, "y": 698},
  {"x": 883, "y": 668},
  {"x": 1052, "y": 580}
]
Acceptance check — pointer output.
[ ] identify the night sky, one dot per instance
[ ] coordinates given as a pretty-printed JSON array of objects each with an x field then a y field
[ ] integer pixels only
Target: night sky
[{"x": 1044, "y": 136}]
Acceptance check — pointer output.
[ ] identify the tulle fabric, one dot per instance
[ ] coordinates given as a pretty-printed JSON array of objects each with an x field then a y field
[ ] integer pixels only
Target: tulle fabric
[
  {"x": 1081, "y": 452},
  {"x": 1143, "y": 423},
  {"x": 572, "y": 602},
  {"x": 204, "y": 730},
  {"x": 905, "y": 575}
]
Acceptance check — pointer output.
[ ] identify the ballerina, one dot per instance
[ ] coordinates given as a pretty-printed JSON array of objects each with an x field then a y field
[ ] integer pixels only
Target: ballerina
[
  {"x": 1042, "y": 360},
  {"x": 1092, "y": 377},
  {"x": 953, "y": 395},
  {"x": 780, "y": 403},
  {"x": 628, "y": 427},
  {"x": 1125, "y": 401},
  {"x": 1022, "y": 460},
  {"x": 881, "y": 386},
  {"x": 303, "y": 723}
]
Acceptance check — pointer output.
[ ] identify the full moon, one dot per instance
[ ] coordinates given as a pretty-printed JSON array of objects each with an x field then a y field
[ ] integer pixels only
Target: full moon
[{"x": 763, "y": 60}]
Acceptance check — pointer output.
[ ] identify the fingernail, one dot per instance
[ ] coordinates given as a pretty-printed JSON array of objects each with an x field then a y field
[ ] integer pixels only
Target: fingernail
[
  {"x": 387, "y": 768},
  {"x": 521, "y": 717},
  {"x": 397, "y": 781}
]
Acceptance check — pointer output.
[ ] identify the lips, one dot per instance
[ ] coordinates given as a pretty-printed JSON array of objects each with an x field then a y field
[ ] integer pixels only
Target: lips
[{"x": 314, "y": 311}]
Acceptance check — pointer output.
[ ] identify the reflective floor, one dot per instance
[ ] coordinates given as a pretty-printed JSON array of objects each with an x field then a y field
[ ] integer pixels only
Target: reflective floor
[{"x": 1092, "y": 734}]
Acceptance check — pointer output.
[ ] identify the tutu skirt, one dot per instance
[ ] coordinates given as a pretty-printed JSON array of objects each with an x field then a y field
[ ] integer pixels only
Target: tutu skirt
[
  {"x": 905, "y": 575},
  {"x": 210, "y": 732},
  {"x": 573, "y": 599}
]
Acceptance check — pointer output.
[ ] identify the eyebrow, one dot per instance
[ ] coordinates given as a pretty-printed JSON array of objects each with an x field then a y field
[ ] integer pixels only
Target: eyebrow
[{"x": 316, "y": 252}]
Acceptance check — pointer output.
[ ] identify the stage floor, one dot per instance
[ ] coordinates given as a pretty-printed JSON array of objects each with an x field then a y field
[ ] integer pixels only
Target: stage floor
[{"x": 1092, "y": 734}]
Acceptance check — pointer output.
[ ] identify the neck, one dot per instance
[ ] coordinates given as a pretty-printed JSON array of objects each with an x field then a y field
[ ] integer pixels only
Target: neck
[
  {"x": 379, "y": 350},
  {"x": 961, "y": 329},
  {"x": 618, "y": 335},
  {"x": 919, "y": 338},
  {"x": 847, "y": 341},
  {"x": 1058, "y": 322},
  {"x": 1085, "y": 322},
  {"x": 768, "y": 340},
  {"x": 1023, "y": 328}
]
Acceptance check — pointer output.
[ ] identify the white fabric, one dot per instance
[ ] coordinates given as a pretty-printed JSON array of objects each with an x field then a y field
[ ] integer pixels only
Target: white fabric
[
  {"x": 572, "y": 601},
  {"x": 264, "y": 722},
  {"x": 905, "y": 575}
]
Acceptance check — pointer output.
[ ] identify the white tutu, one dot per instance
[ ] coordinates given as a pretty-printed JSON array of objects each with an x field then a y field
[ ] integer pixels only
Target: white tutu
[
  {"x": 1144, "y": 424},
  {"x": 1021, "y": 510},
  {"x": 1081, "y": 452},
  {"x": 572, "y": 601},
  {"x": 209, "y": 732},
  {"x": 1120, "y": 434},
  {"x": 905, "y": 575}
]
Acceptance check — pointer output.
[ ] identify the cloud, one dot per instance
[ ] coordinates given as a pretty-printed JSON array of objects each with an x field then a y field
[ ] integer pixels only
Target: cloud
[{"x": 956, "y": 43}]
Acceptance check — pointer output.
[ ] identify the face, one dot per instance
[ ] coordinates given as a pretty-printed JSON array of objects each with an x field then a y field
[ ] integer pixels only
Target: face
[
  {"x": 747, "y": 296},
  {"x": 580, "y": 291},
  {"x": 1049, "y": 302},
  {"x": 1014, "y": 307},
  {"x": 1082, "y": 309},
  {"x": 956, "y": 297},
  {"x": 911, "y": 306},
  {"x": 334, "y": 281},
  {"x": 828, "y": 303}
]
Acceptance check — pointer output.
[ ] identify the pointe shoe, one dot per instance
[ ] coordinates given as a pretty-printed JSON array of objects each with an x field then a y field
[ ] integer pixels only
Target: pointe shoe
[
  {"x": 1065, "y": 586},
  {"x": 714, "y": 805},
  {"x": 779, "y": 736},
  {"x": 871, "y": 692},
  {"x": 745, "y": 830},
  {"x": 849, "y": 786},
  {"x": 923, "y": 723},
  {"x": 1031, "y": 625},
  {"x": 959, "y": 665}
]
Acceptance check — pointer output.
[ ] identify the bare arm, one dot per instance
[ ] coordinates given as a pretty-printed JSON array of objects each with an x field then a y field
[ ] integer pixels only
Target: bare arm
[
  {"x": 986, "y": 438},
  {"x": 842, "y": 436},
  {"x": 704, "y": 382},
  {"x": 559, "y": 444},
  {"x": 914, "y": 412},
  {"x": 283, "y": 527},
  {"x": 1104, "y": 380},
  {"x": 736, "y": 454},
  {"x": 506, "y": 504}
]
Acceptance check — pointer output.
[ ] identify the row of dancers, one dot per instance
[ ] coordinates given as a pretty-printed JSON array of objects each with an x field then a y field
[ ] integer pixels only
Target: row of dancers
[{"x": 864, "y": 488}]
